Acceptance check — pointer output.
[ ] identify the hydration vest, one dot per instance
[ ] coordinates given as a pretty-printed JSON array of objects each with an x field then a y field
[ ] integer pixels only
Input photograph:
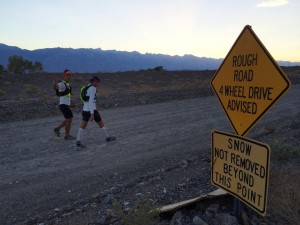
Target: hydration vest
[
  {"x": 83, "y": 92},
  {"x": 67, "y": 91}
]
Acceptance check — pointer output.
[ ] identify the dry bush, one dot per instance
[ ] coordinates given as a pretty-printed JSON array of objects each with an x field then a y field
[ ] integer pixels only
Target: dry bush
[
  {"x": 284, "y": 196},
  {"x": 146, "y": 89},
  {"x": 32, "y": 91},
  {"x": 283, "y": 151},
  {"x": 188, "y": 84},
  {"x": 48, "y": 97},
  {"x": 126, "y": 85},
  {"x": 105, "y": 91},
  {"x": 175, "y": 85},
  {"x": 293, "y": 73}
]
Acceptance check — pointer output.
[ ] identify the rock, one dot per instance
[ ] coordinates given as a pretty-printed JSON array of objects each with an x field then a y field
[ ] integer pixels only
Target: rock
[
  {"x": 227, "y": 219},
  {"x": 213, "y": 208},
  {"x": 177, "y": 217},
  {"x": 108, "y": 199},
  {"x": 126, "y": 203},
  {"x": 244, "y": 218},
  {"x": 198, "y": 221},
  {"x": 184, "y": 163}
]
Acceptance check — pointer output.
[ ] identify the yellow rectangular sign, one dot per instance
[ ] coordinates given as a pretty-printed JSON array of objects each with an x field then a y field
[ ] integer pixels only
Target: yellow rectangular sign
[{"x": 241, "y": 167}]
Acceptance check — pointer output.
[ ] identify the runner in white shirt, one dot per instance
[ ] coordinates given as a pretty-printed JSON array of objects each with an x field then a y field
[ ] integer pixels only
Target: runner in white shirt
[
  {"x": 90, "y": 113},
  {"x": 64, "y": 91}
]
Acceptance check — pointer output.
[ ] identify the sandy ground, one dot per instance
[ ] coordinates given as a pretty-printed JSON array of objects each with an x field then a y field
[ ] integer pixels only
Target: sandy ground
[{"x": 41, "y": 173}]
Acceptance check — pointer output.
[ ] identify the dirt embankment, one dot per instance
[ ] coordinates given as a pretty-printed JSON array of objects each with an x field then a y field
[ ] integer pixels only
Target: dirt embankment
[
  {"x": 162, "y": 153},
  {"x": 34, "y": 97}
]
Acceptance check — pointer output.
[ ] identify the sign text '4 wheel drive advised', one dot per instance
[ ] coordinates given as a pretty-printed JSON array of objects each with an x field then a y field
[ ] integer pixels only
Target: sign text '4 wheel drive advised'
[{"x": 249, "y": 82}]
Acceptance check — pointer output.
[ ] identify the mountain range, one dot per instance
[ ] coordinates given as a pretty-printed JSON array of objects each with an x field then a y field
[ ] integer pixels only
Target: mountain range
[{"x": 97, "y": 60}]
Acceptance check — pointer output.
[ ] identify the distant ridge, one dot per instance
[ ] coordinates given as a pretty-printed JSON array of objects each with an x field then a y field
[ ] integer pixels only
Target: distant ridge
[{"x": 96, "y": 60}]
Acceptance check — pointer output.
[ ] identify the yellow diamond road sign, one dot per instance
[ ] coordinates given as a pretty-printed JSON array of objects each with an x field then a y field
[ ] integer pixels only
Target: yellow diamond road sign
[{"x": 249, "y": 82}]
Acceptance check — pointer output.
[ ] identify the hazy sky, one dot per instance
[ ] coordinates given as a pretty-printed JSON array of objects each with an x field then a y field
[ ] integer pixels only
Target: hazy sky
[{"x": 204, "y": 28}]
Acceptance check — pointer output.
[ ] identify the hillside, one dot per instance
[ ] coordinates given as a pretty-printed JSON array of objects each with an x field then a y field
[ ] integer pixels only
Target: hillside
[
  {"x": 96, "y": 60},
  {"x": 86, "y": 60},
  {"x": 116, "y": 89}
]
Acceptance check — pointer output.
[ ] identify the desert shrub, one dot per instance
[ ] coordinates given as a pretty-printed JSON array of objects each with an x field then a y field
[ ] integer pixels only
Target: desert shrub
[
  {"x": 141, "y": 213},
  {"x": 19, "y": 65},
  {"x": 282, "y": 151},
  {"x": 105, "y": 91},
  {"x": 146, "y": 89},
  {"x": 284, "y": 196},
  {"x": 158, "y": 68},
  {"x": 127, "y": 85},
  {"x": 33, "y": 90}
]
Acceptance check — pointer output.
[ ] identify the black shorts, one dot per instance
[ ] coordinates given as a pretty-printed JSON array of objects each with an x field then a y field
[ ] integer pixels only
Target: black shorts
[
  {"x": 87, "y": 114},
  {"x": 65, "y": 109}
]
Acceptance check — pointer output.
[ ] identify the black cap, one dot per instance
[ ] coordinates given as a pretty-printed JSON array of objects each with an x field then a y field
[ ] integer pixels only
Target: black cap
[{"x": 95, "y": 78}]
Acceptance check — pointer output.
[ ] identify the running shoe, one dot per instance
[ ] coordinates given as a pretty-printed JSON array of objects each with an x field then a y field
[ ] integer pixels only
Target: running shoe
[
  {"x": 56, "y": 131},
  {"x": 110, "y": 139},
  {"x": 79, "y": 145}
]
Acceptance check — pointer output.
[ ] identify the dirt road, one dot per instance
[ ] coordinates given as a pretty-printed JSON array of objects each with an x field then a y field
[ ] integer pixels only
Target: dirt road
[{"x": 40, "y": 173}]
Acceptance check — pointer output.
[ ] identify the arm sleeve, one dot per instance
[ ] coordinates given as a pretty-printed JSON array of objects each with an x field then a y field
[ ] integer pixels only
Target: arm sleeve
[
  {"x": 92, "y": 105},
  {"x": 61, "y": 86}
]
